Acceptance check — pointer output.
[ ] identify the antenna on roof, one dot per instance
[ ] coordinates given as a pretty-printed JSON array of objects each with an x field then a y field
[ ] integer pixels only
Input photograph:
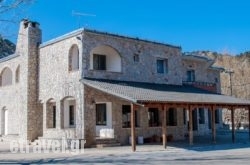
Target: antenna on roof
[{"x": 79, "y": 15}]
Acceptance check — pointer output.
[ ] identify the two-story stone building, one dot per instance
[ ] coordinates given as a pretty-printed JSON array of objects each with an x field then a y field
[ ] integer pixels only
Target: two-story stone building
[{"x": 91, "y": 85}]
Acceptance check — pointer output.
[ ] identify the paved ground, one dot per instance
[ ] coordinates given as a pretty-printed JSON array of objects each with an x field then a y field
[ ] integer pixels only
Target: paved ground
[{"x": 202, "y": 152}]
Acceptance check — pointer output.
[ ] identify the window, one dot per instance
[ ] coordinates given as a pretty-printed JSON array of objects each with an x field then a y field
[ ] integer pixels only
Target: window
[
  {"x": 105, "y": 58},
  {"x": 54, "y": 116},
  {"x": 101, "y": 114},
  {"x": 217, "y": 116},
  {"x": 136, "y": 58},
  {"x": 99, "y": 62},
  {"x": 216, "y": 80},
  {"x": 73, "y": 58},
  {"x": 201, "y": 116},
  {"x": 71, "y": 115},
  {"x": 184, "y": 117},
  {"x": 162, "y": 66},
  {"x": 126, "y": 117},
  {"x": 190, "y": 75},
  {"x": 153, "y": 117},
  {"x": 6, "y": 77},
  {"x": 171, "y": 117},
  {"x": 18, "y": 74}
]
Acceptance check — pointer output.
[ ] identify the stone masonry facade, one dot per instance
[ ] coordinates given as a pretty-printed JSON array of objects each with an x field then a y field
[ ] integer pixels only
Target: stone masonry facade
[{"x": 50, "y": 101}]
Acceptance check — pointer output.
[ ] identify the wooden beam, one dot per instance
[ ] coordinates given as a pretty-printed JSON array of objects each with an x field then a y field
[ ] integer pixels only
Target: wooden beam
[
  {"x": 213, "y": 124},
  {"x": 164, "y": 127},
  {"x": 190, "y": 131},
  {"x": 132, "y": 120},
  {"x": 233, "y": 126}
]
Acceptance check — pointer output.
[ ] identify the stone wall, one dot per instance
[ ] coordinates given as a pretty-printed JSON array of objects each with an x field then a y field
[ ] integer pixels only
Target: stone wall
[
  {"x": 11, "y": 99},
  {"x": 203, "y": 72},
  {"x": 122, "y": 134},
  {"x": 143, "y": 71},
  {"x": 58, "y": 83},
  {"x": 21, "y": 98}
]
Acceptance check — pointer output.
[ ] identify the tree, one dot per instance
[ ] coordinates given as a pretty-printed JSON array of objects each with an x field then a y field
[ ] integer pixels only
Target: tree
[
  {"x": 7, "y": 6},
  {"x": 11, "y": 12}
]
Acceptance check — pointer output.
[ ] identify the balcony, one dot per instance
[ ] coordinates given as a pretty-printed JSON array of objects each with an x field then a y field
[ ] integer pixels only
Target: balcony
[{"x": 202, "y": 85}]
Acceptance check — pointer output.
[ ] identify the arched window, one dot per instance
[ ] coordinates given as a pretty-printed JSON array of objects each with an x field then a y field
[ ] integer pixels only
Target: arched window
[
  {"x": 6, "y": 77},
  {"x": 105, "y": 58},
  {"x": 18, "y": 74},
  {"x": 69, "y": 112},
  {"x": 74, "y": 58}
]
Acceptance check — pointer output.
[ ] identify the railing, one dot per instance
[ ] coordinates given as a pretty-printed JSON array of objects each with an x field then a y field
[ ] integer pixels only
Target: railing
[
  {"x": 203, "y": 85},
  {"x": 199, "y": 83}
]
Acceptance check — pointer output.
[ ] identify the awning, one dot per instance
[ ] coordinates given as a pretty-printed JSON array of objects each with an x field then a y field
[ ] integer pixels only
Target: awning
[{"x": 138, "y": 92}]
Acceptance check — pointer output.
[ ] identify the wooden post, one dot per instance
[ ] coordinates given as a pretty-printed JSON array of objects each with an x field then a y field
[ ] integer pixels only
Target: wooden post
[
  {"x": 233, "y": 126},
  {"x": 213, "y": 125},
  {"x": 164, "y": 127},
  {"x": 132, "y": 120},
  {"x": 190, "y": 132}
]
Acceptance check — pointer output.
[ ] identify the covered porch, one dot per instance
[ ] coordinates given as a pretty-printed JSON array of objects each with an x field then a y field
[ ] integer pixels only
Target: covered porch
[{"x": 164, "y": 97}]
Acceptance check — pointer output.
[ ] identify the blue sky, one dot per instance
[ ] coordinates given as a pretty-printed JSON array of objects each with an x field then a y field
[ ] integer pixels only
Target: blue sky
[{"x": 215, "y": 25}]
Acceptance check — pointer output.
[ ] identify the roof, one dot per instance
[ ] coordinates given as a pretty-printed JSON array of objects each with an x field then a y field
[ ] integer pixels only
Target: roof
[
  {"x": 138, "y": 92},
  {"x": 197, "y": 57},
  {"x": 81, "y": 30},
  {"x": 63, "y": 37},
  {"x": 131, "y": 38},
  {"x": 9, "y": 57},
  {"x": 217, "y": 68}
]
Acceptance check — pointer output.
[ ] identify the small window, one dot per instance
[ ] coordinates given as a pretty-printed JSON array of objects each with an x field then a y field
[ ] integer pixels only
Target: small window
[
  {"x": 171, "y": 117},
  {"x": 201, "y": 116},
  {"x": 136, "y": 58},
  {"x": 73, "y": 58},
  {"x": 126, "y": 117},
  {"x": 18, "y": 74},
  {"x": 71, "y": 115},
  {"x": 101, "y": 114},
  {"x": 153, "y": 117},
  {"x": 162, "y": 66},
  {"x": 190, "y": 76},
  {"x": 54, "y": 116},
  {"x": 99, "y": 62}
]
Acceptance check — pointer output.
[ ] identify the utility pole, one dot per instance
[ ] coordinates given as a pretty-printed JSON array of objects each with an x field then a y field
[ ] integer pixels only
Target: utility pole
[{"x": 230, "y": 72}]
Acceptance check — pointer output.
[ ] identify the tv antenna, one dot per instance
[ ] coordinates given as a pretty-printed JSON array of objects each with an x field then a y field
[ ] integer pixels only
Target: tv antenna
[{"x": 79, "y": 15}]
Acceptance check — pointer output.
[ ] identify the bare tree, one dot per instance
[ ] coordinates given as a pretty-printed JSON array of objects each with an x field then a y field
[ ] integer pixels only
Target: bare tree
[
  {"x": 11, "y": 12},
  {"x": 7, "y": 6}
]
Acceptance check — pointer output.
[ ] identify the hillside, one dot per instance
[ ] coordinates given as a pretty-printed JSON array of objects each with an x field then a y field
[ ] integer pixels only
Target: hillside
[
  {"x": 240, "y": 66},
  {"x": 6, "y": 47}
]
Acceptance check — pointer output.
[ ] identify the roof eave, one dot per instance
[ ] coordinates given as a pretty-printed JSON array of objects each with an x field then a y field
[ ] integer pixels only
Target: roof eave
[{"x": 112, "y": 93}]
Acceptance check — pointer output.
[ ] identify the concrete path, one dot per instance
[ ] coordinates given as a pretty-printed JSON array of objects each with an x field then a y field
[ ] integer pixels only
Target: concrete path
[{"x": 202, "y": 152}]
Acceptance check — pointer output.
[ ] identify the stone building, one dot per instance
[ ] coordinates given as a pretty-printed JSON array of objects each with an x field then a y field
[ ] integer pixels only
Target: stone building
[{"x": 93, "y": 85}]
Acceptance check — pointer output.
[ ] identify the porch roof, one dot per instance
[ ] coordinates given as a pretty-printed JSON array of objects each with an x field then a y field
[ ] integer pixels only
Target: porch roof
[{"x": 138, "y": 92}]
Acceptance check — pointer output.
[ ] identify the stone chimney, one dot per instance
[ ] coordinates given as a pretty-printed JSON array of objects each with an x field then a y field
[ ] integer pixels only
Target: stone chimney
[
  {"x": 29, "y": 36},
  {"x": 29, "y": 39}
]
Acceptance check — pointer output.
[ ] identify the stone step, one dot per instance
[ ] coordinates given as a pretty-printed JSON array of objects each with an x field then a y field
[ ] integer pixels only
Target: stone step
[
  {"x": 106, "y": 142},
  {"x": 8, "y": 138},
  {"x": 107, "y": 145}
]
